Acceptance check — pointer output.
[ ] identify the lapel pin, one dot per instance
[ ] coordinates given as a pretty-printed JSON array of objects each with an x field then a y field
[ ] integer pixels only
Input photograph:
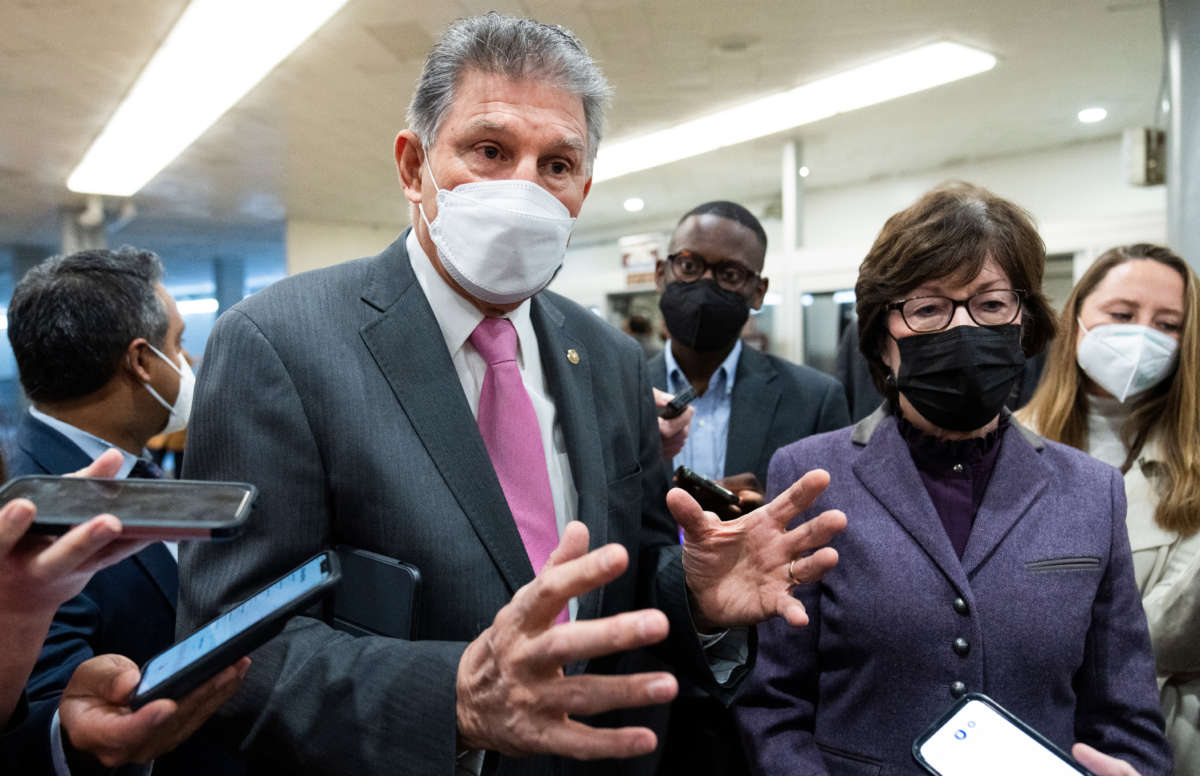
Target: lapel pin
[{"x": 573, "y": 355}]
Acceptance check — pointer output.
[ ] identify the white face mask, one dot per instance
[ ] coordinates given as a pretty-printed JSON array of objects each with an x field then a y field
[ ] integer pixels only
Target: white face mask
[
  {"x": 182, "y": 408},
  {"x": 1126, "y": 358},
  {"x": 502, "y": 241}
]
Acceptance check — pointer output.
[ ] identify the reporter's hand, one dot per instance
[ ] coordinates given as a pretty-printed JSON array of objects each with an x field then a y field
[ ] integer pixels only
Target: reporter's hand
[
  {"x": 1101, "y": 764},
  {"x": 673, "y": 432},
  {"x": 512, "y": 694},
  {"x": 40, "y": 573},
  {"x": 95, "y": 718},
  {"x": 749, "y": 490}
]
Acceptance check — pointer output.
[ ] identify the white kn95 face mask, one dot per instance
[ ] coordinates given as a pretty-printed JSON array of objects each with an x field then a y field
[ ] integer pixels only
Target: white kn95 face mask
[
  {"x": 1126, "y": 359},
  {"x": 502, "y": 240},
  {"x": 181, "y": 410}
]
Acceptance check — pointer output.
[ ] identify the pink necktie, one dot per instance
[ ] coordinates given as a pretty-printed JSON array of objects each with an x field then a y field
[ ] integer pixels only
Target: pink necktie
[{"x": 514, "y": 441}]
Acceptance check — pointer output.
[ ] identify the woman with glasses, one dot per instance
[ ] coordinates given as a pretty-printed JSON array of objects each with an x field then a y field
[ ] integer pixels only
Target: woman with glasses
[
  {"x": 978, "y": 557},
  {"x": 1123, "y": 383}
]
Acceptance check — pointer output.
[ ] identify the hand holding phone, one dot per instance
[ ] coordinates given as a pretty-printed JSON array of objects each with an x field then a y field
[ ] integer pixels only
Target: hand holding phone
[{"x": 708, "y": 493}]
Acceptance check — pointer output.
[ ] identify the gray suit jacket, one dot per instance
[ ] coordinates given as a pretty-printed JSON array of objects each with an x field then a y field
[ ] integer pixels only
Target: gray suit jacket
[
  {"x": 334, "y": 393},
  {"x": 774, "y": 403},
  {"x": 1044, "y": 596}
]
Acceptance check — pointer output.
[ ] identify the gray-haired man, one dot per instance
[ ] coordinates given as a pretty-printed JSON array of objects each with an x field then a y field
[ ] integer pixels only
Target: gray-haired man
[{"x": 434, "y": 404}]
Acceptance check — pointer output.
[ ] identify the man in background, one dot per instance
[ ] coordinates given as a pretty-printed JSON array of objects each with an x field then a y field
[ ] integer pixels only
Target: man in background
[
  {"x": 749, "y": 404},
  {"x": 98, "y": 345}
]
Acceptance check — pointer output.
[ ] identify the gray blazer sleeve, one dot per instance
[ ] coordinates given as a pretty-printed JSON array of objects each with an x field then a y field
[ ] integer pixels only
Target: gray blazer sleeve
[{"x": 318, "y": 700}]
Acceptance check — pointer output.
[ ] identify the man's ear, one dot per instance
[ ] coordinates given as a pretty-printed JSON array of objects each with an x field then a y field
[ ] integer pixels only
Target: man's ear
[
  {"x": 660, "y": 275},
  {"x": 137, "y": 359},
  {"x": 410, "y": 159},
  {"x": 756, "y": 301}
]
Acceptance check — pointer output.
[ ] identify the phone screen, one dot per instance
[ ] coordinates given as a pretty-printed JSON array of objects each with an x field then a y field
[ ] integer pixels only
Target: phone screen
[
  {"x": 980, "y": 741},
  {"x": 233, "y": 622}
]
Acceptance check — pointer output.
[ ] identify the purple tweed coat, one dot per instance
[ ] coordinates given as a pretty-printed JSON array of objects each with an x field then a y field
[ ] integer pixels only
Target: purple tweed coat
[{"x": 1041, "y": 613}]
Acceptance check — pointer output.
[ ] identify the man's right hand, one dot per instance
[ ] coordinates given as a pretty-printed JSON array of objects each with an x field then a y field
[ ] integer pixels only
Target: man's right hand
[{"x": 513, "y": 696}]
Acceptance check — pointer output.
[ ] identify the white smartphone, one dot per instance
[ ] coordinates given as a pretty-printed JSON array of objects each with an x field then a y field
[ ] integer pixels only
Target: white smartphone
[{"x": 978, "y": 737}]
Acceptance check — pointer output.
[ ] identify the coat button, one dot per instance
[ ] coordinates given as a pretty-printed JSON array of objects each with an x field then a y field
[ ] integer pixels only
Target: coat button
[
  {"x": 958, "y": 468},
  {"x": 961, "y": 607},
  {"x": 961, "y": 646},
  {"x": 957, "y": 689}
]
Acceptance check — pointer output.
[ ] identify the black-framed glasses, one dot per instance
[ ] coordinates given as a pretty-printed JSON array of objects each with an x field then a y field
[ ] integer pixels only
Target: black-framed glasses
[
  {"x": 729, "y": 274},
  {"x": 934, "y": 313}
]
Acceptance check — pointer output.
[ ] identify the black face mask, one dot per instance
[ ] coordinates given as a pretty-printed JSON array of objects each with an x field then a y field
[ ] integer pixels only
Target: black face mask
[
  {"x": 702, "y": 315},
  {"x": 959, "y": 378}
]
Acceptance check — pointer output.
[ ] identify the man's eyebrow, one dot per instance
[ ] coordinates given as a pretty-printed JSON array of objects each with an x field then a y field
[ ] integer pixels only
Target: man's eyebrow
[{"x": 483, "y": 124}]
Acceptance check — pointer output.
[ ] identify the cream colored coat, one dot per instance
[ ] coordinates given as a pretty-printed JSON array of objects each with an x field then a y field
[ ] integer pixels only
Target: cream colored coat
[{"x": 1167, "y": 568}]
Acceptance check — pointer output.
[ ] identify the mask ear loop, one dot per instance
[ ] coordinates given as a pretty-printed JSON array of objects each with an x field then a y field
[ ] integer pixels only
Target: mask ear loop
[{"x": 421, "y": 205}]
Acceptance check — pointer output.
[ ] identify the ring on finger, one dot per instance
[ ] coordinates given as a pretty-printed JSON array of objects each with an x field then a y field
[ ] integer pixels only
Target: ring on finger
[{"x": 792, "y": 573}]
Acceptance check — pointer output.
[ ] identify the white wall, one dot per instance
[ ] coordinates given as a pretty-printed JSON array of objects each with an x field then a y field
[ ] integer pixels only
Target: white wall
[
  {"x": 1076, "y": 194},
  {"x": 313, "y": 244}
]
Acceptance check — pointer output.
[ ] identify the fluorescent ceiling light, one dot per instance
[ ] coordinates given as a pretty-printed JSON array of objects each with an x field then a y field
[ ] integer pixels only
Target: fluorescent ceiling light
[
  {"x": 217, "y": 51},
  {"x": 197, "y": 306},
  {"x": 887, "y": 79},
  {"x": 1092, "y": 115}
]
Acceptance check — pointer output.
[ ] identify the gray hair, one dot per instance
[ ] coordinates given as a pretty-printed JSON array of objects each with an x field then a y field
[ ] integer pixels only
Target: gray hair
[{"x": 513, "y": 47}]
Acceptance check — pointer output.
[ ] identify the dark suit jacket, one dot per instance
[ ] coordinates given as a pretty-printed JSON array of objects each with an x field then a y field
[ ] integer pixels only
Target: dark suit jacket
[
  {"x": 126, "y": 609},
  {"x": 1049, "y": 608},
  {"x": 334, "y": 393},
  {"x": 774, "y": 403}
]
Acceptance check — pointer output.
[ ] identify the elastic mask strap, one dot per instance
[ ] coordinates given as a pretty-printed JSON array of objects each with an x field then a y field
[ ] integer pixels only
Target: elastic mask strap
[
  {"x": 421, "y": 205},
  {"x": 149, "y": 388}
]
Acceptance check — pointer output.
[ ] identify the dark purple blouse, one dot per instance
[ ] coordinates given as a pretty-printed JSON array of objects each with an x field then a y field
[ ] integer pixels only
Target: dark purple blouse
[{"x": 955, "y": 474}]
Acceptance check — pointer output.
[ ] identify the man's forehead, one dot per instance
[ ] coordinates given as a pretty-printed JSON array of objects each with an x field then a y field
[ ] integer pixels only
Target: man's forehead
[{"x": 713, "y": 233}]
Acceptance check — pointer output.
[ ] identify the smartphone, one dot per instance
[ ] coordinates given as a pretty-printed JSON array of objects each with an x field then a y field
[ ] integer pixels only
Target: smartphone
[
  {"x": 678, "y": 403},
  {"x": 978, "y": 737},
  {"x": 148, "y": 509},
  {"x": 710, "y": 495},
  {"x": 377, "y": 597},
  {"x": 222, "y": 641}
]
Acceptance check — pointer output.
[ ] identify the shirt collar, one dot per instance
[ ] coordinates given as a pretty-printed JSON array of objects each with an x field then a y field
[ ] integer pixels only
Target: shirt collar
[
  {"x": 678, "y": 381},
  {"x": 92, "y": 445},
  {"x": 456, "y": 316}
]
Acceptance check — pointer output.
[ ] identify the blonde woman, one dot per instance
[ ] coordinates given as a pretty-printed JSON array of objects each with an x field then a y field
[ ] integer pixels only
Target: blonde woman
[{"x": 1123, "y": 383}]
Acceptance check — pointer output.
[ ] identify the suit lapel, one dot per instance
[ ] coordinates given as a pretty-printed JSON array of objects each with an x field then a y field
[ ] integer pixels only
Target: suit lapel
[
  {"x": 756, "y": 395},
  {"x": 887, "y": 470},
  {"x": 1019, "y": 464},
  {"x": 569, "y": 382},
  {"x": 409, "y": 349}
]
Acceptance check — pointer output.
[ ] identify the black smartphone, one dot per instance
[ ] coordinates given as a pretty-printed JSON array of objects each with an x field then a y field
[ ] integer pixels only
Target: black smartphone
[
  {"x": 678, "y": 403},
  {"x": 169, "y": 510},
  {"x": 710, "y": 495},
  {"x": 377, "y": 597},
  {"x": 222, "y": 641},
  {"x": 978, "y": 737}
]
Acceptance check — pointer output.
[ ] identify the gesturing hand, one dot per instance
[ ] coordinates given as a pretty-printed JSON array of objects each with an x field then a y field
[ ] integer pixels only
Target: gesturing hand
[
  {"x": 95, "y": 719},
  {"x": 741, "y": 571},
  {"x": 512, "y": 694}
]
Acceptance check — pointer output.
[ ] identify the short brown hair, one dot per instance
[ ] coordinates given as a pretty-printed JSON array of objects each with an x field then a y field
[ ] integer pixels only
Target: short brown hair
[{"x": 951, "y": 231}]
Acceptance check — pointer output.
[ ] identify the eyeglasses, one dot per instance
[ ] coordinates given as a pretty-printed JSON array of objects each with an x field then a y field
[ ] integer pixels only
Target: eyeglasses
[
  {"x": 934, "y": 313},
  {"x": 730, "y": 275}
]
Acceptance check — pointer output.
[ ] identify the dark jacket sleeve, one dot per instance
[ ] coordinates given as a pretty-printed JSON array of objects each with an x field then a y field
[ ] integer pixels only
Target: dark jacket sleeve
[
  {"x": 835, "y": 412},
  {"x": 315, "y": 699},
  {"x": 776, "y": 707},
  {"x": 1118, "y": 711}
]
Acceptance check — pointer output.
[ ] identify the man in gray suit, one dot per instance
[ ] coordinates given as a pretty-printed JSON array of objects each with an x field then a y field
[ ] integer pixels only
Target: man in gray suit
[{"x": 434, "y": 404}]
